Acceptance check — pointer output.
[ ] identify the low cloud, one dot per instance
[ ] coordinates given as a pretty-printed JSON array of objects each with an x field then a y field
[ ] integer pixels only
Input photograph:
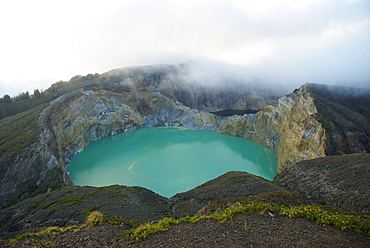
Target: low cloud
[{"x": 286, "y": 42}]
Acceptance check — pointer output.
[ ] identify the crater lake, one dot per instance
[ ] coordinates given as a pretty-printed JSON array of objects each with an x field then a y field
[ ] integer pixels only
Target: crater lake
[{"x": 168, "y": 160}]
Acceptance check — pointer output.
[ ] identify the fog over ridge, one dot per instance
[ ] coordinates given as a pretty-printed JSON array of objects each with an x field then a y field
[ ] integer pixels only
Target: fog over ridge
[{"x": 274, "y": 42}]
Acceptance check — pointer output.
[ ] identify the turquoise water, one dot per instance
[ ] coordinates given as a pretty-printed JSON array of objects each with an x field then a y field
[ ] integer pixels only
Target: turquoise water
[{"x": 168, "y": 160}]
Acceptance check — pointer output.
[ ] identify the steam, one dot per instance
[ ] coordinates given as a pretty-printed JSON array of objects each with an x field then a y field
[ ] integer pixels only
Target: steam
[{"x": 219, "y": 74}]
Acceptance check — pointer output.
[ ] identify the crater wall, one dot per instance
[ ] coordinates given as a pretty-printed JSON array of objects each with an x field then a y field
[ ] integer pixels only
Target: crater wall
[{"x": 69, "y": 123}]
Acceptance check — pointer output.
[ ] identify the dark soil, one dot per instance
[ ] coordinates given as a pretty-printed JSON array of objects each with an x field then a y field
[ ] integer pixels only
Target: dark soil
[
  {"x": 244, "y": 230},
  {"x": 229, "y": 185},
  {"x": 71, "y": 205},
  {"x": 340, "y": 181}
]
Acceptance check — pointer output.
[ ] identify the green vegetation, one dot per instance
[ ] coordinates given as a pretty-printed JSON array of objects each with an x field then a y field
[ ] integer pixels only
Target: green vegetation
[
  {"x": 19, "y": 131},
  {"x": 361, "y": 223},
  {"x": 71, "y": 201},
  {"x": 342, "y": 220},
  {"x": 13, "y": 107},
  {"x": 69, "y": 191},
  {"x": 24, "y": 101},
  {"x": 88, "y": 211},
  {"x": 50, "y": 231},
  {"x": 94, "y": 218}
]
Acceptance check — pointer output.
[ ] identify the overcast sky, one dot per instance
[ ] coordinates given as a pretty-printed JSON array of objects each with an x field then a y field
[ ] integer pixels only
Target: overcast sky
[{"x": 285, "y": 41}]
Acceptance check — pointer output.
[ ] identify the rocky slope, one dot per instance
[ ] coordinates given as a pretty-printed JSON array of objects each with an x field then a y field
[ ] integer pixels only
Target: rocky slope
[
  {"x": 342, "y": 181},
  {"x": 234, "y": 184},
  {"x": 344, "y": 114},
  {"x": 129, "y": 205},
  {"x": 90, "y": 108},
  {"x": 70, "y": 205},
  {"x": 243, "y": 230}
]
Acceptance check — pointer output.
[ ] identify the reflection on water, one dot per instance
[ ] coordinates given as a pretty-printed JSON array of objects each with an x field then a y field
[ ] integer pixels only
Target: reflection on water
[{"x": 168, "y": 160}]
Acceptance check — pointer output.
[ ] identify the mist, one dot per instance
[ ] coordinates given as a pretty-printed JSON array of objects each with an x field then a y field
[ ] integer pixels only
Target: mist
[{"x": 281, "y": 42}]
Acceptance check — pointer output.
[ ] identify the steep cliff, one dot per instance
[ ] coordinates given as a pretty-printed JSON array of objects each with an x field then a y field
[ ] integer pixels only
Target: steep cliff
[
  {"x": 26, "y": 166},
  {"x": 89, "y": 108},
  {"x": 290, "y": 128}
]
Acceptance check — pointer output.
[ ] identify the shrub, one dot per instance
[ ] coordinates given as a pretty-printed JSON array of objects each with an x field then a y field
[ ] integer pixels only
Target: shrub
[
  {"x": 360, "y": 222},
  {"x": 94, "y": 218}
]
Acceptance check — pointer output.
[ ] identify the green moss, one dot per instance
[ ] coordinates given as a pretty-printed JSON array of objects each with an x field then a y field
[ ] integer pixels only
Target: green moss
[
  {"x": 10, "y": 202},
  {"x": 50, "y": 231},
  {"x": 65, "y": 206},
  {"x": 68, "y": 191},
  {"x": 88, "y": 211},
  {"x": 361, "y": 223},
  {"x": 48, "y": 204},
  {"x": 71, "y": 200}
]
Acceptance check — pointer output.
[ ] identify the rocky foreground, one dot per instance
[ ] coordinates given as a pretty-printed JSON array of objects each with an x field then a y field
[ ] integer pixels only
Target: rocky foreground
[
  {"x": 244, "y": 230},
  {"x": 134, "y": 205}
]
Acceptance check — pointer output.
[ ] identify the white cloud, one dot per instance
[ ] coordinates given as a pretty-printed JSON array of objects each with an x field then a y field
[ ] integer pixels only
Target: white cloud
[{"x": 290, "y": 41}]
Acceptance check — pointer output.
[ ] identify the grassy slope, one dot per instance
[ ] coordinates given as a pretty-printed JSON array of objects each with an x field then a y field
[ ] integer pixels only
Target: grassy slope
[
  {"x": 19, "y": 131},
  {"x": 20, "y": 126}
]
